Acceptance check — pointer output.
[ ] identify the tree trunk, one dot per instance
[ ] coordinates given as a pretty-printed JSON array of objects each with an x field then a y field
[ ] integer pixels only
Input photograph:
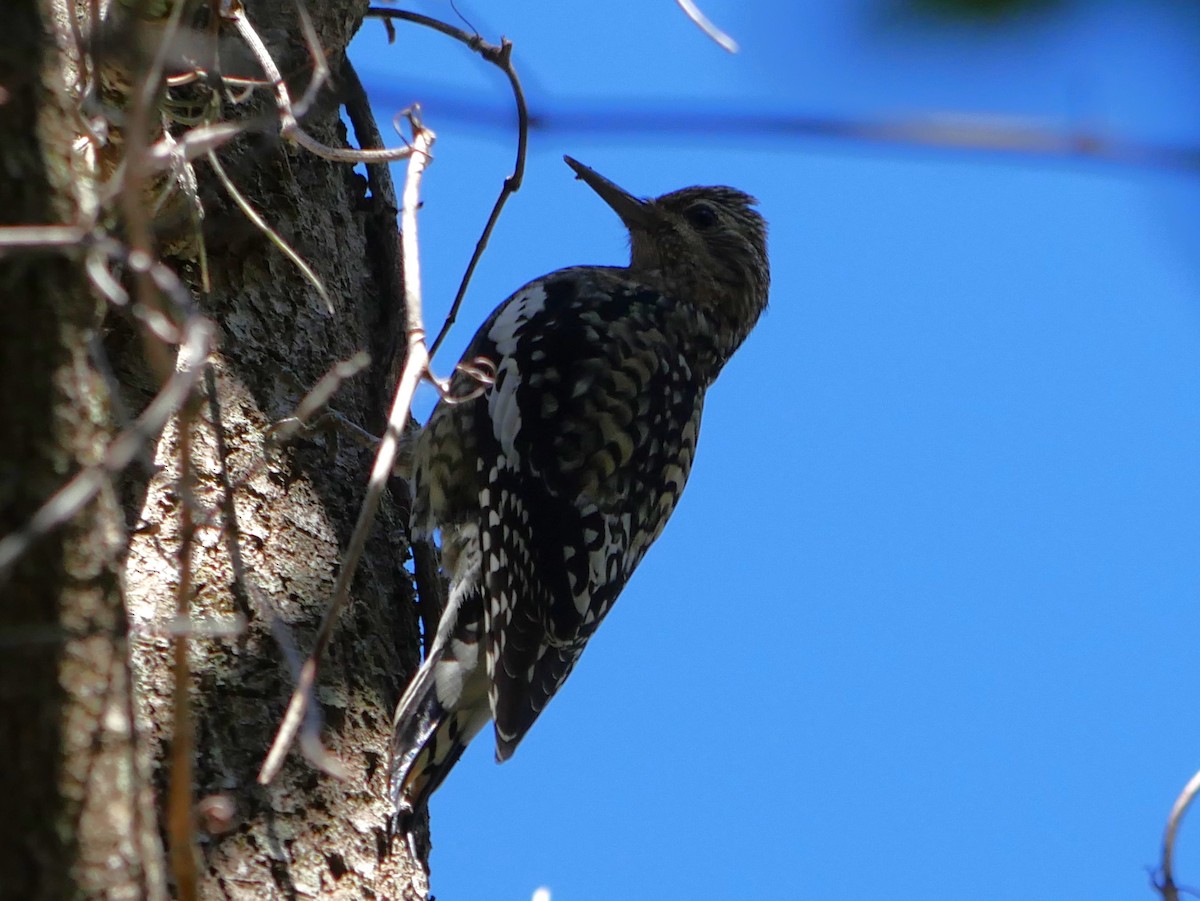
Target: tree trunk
[
  {"x": 262, "y": 530},
  {"x": 76, "y": 821}
]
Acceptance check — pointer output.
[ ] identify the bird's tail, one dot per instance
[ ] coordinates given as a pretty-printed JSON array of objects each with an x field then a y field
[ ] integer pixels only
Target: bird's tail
[{"x": 444, "y": 707}]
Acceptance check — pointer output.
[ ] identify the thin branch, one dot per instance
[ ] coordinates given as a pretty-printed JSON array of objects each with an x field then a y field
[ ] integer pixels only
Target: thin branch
[
  {"x": 972, "y": 132},
  {"x": 388, "y": 268},
  {"x": 150, "y": 80},
  {"x": 1166, "y": 884},
  {"x": 132, "y": 192},
  {"x": 320, "y": 73},
  {"x": 182, "y": 839},
  {"x": 261, "y": 224},
  {"x": 342, "y": 155},
  {"x": 196, "y": 142},
  {"x": 206, "y": 629},
  {"x": 501, "y": 57},
  {"x": 163, "y": 278},
  {"x": 692, "y": 11},
  {"x": 415, "y": 368},
  {"x": 289, "y": 127},
  {"x": 319, "y": 396},
  {"x": 39, "y": 237}
]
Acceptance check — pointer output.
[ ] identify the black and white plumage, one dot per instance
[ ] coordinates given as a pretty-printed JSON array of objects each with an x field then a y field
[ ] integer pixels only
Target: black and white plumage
[{"x": 549, "y": 486}]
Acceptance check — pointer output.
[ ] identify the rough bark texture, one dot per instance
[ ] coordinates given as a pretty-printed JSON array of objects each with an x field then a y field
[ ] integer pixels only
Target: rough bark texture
[
  {"x": 77, "y": 821},
  {"x": 276, "y": 550},
  {"x": 267, "y": 557}
]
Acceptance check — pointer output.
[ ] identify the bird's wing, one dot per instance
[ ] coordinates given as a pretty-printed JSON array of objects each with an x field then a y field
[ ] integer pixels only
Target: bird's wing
[{"x": 595, "y": 415}]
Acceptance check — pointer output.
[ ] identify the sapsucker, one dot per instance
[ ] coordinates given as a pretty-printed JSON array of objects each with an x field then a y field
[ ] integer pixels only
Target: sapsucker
[{"x": 549, "y": 485}]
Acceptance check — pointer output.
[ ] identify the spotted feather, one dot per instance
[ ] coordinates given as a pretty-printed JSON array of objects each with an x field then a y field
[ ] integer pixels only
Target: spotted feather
[{"x": 549, "y": 486}]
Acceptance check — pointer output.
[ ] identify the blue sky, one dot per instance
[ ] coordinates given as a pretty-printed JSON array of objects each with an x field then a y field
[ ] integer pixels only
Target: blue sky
[{"x": 925, "y": 623}]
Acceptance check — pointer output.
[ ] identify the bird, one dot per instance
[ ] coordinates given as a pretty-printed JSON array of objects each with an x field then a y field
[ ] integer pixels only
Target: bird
[{"x": 555, "y": 457}]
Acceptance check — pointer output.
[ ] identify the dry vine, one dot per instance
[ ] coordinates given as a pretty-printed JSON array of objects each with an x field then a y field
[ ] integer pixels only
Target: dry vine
[
  {"x": 298, "y": 719},
  {"x": 500, "y": 56},
  {"x": 1165, "y": 883},
  {"x": 416, "y": 368},
  {"x": 151, "y": 144}
]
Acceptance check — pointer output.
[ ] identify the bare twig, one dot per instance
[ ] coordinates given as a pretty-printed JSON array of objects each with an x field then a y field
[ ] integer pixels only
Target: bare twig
[
  {"x": 98, "y": 252},
  {"x": 96, "y": 266},
  {"x": 39, "y": 237},
  {"x": 181, "y": 834},
  {"x": 320, "y": 73},
  {"x": 388, "y": 269},
  {"x": 289, "y": 125},
  {"x": 415, "y": 368},
  {"x": 149, "y": 81},
  {"x": 201, "y": 140},
  {"x": 132, "y": 191},
  {"x": 205, "y": 629},
  {"x": 319, "y": 396},
  {"x": 501, "y": 57},
  {"x": 1166, "y": 882},
  {"x": 68, "y": 500},
  {"x": 693, "y": 12},
  {"x": 261, "y": 224},
  {"x": 160, "y": 276},
  {"x": 1040, "y": 139},
  {"x": 343, "y": 155}
]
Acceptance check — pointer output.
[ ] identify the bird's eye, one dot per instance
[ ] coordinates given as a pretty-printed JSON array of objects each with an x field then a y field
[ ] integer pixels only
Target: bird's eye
[{"x": 701, "y": 215}]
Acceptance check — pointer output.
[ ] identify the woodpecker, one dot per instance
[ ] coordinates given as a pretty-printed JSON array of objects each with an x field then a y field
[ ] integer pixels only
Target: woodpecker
[{"x": 549, "y": 483}]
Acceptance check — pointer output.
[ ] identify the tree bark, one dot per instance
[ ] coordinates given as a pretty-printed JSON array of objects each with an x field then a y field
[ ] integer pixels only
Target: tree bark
[
  {"x": 262, "y": 530},
  {"x": 77, "y": 821}
]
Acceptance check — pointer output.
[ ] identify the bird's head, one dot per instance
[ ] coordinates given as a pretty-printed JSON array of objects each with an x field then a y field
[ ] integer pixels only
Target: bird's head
[{"x": 704, "y": 246}]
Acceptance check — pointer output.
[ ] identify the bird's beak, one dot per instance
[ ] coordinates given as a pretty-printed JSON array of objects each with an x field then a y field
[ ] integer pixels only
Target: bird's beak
[{"x": 634, "y": 211}]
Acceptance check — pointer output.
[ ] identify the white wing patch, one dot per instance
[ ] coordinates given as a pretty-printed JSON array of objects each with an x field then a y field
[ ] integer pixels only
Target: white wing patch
[
  {"x": 503, "y": 408},
  {"x": 521, "y": 307},
  {"x": 505, "y": 333}
]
